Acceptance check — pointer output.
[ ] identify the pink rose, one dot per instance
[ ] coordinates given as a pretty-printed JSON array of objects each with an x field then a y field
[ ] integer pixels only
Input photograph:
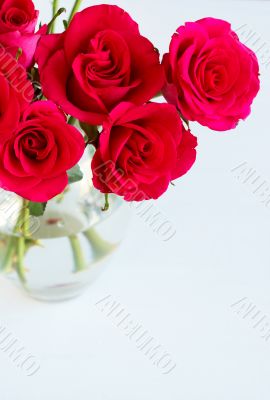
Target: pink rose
[
  {"x": 211, "y": 76},
  {"x": 98, "y": 62},
  {"x": 18, "y": 19},
  {"x": 35, "y": 158},
  {"x": 18, "y": 15},
  {"x": 16, "y": 94},
  {"x": 141, "y": 150}
]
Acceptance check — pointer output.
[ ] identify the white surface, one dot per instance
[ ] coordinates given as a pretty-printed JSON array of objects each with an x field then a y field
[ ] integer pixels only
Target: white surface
[{"x": 181, "y": 290}]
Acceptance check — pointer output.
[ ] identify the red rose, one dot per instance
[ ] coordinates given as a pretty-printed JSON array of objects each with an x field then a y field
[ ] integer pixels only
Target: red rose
[
  {"x": 18, "y": 19},
  {"x": 16, "y": 94},
  {"x": 141, "y": 149},
  {"x": 41, "y": 109},
  {"x": 98, "y": 62},
  {"x": 211, "y": 76},
  {"x": 35, "y": 159},
  {"x": 18, "y": 15}
]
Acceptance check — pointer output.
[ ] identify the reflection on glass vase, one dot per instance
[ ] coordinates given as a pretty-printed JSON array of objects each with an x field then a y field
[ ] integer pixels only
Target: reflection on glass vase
[{"x": 54, "y": 257}]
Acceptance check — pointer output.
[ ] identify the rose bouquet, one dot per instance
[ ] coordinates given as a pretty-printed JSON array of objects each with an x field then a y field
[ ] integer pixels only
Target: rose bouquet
[{"x": 91, "y": 89}]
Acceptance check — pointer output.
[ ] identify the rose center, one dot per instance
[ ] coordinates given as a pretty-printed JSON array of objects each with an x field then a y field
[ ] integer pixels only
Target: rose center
[
  {"x": 107, "y": 62},
  {"x": 15, "y": 16},
  {"x": 140, "y": 149},
  {"x": 215, "y": 81},
  {"x": 33, "y": 144}
]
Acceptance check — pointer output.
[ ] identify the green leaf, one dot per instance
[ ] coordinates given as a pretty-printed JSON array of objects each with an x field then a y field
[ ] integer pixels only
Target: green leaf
[
  {"x": 74, "y": 174},
  {"x": 72, "y": 120},
  {"x": 37, "y": 209},
  {"x": 91, "y": 131},
  {"x": 65, "y": 23}
]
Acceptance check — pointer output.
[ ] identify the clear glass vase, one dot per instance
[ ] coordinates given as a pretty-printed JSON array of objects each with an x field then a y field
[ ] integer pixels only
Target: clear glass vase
[{"x": 66, "y": 248}]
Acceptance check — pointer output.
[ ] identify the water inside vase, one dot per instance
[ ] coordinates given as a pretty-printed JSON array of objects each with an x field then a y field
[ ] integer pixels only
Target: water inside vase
[{"x": 70, "y": 244}]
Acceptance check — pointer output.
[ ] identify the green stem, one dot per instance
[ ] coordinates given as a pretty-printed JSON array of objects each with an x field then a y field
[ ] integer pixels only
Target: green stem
[
  {"x": 18, "y": 245},
  {"x": 99, "y": 246},
  {"x": 107, "y": 203},
  {"x": 21, "y": 241},
  {"x": 55, "y": 7},
  {"x": 20, "y": 262},
  {"x": 23, "y": 224},
  {"x": 75, "y": 8},
  {"x": 78, "y": 257},
  {"x": 26, "y": 218},
  {"x": 54, "y": 11},
  {"x": 51, "y": 24},
  {"x": 7, "y": 261}
]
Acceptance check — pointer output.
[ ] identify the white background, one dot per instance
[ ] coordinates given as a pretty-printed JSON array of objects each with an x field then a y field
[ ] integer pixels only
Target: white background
[{"x": 181, "y": 290}]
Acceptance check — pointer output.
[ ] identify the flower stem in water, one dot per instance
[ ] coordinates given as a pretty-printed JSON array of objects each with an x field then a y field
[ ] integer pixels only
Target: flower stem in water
[
  {"x": 99, "y": 246},
  {"x": 7, "y": 262},
  {"x": 20, "y": 262},
  {"x": 78, "y": 256}
]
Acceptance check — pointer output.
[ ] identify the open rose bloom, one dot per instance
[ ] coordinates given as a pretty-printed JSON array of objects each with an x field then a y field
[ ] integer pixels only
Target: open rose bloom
[
  {"x": 93, "y": 86},
  {"x": 102, "y": 72}
]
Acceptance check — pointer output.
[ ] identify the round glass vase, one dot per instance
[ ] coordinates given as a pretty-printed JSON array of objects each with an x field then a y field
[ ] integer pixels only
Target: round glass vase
[{"x": 64, "y": 251}]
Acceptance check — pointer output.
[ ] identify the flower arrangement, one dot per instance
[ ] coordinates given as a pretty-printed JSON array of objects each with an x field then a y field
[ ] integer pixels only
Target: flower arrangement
[{"x": 94, "y": 85}]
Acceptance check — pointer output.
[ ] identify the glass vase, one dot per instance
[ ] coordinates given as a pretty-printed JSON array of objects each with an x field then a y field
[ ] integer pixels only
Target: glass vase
[{"x": 62, "y": 252}]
